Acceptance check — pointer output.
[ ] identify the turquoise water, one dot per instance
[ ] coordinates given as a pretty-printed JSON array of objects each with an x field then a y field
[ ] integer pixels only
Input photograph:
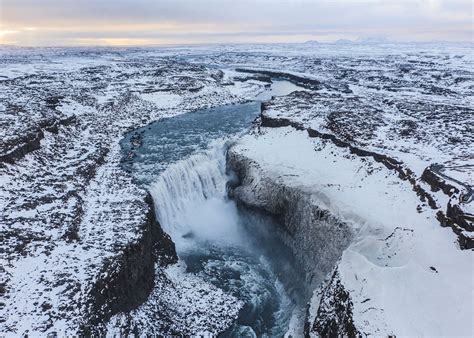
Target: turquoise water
[
  {"x": 181, "y": 160},
  {"x": 149, "y": 150}
]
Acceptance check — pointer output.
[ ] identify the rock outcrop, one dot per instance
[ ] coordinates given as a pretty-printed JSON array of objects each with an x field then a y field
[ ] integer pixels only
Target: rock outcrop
[
  {"x": 79, "y": 238},
  {"x": 316, "y": 237},
  {"x": 334, "y": 314},
  {"x": 454, "y": 216},
  {"x": 129, "y": 278}
]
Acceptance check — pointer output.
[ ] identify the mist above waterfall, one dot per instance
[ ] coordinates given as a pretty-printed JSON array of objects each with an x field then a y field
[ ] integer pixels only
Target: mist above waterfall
[
  {"x": 232, "y": 248},
  {"x": 191, "y": 202},
  {"x": 215, "y": 220}
]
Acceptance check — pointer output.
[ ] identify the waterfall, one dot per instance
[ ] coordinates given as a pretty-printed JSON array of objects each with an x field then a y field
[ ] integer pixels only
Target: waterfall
[
  {"x": 236, "y": 251},
  {"x": 190, "y": 197}
]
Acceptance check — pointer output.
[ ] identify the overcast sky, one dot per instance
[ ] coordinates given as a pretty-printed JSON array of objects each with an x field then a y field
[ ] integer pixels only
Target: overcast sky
[{"x": 150, "y": 22}]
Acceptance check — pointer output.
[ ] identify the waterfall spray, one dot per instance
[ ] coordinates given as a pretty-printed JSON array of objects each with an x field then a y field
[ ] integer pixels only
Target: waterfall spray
[{"x": 190, "y": 197}]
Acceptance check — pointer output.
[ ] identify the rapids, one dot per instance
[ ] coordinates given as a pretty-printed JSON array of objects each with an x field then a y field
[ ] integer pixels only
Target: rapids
[{"x": 182, "y": 162}]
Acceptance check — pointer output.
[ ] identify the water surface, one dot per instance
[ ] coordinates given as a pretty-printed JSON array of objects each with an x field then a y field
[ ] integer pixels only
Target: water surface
[{"x": 182, "y": 162}]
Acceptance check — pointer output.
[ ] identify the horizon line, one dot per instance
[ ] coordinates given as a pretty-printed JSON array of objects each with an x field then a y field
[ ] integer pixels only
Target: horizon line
[{"x": 168, "y": 45}]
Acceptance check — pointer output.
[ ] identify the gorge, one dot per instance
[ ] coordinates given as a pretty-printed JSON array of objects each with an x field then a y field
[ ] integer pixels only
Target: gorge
[{"x": 298, "y": 190}]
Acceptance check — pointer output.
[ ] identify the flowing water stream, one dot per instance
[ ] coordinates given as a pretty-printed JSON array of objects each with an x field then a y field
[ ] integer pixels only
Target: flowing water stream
[{"x": 181, "y": 161}]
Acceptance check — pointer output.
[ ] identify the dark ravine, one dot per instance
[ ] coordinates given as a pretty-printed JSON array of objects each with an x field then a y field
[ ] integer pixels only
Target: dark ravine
[
  {"x": 302, "y": 81},
  {"x": 295, "y": 214},
  {"x": 316, "y": 238},
  {"x": 297, "y": 80},
  {"x": 129, "y": 278}
]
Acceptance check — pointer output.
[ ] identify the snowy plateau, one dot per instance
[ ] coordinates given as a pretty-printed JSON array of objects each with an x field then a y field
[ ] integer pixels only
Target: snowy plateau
[{"x": 366, "y": 171}]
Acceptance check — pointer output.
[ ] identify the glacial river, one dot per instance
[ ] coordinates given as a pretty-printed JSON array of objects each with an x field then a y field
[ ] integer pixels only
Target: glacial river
[{"x": 181, "y": 161}]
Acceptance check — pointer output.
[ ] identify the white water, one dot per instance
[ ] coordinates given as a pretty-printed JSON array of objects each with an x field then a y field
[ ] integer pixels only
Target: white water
[
  {"x": 227, "y": 247},
  {"x": 191, "y": 199},
  {"x": 191, "y": 203}
]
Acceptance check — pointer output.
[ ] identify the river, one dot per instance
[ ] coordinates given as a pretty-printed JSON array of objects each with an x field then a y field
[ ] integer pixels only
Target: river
[{"x": 182, "y": 162}]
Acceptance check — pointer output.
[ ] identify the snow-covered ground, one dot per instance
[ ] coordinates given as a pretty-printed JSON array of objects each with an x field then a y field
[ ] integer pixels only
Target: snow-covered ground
[
  {"x": 401, "y": 267},
  {"x": 71, "y": 218},
  {"x": 381, "y": 146},
  {"x": 69, "y": 213}
]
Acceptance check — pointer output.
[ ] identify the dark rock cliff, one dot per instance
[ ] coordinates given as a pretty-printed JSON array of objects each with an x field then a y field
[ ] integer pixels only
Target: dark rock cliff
[
  {"x": 460, "y": 221},
  {"x": 14, "y": 149},
  {"x": 129, "y": 278},
  {"x": 315, "y": 236},
  {"x": 298, "y": 80},
  {"x": 334, "y": 316},
  {"x": 301, "y": 81}
]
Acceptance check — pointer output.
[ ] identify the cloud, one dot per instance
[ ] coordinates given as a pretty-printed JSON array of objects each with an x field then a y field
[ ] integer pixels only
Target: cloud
[{"x": 184, "y": 21}]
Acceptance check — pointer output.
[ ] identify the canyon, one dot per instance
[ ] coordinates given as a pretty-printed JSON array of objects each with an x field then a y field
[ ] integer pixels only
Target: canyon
[{"x": 237, "y": 190}]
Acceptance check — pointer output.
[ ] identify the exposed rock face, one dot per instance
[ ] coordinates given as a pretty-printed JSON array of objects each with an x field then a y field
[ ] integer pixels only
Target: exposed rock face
[
  {"x": 298, "y": 80},
  {"x": 461, "y": 221},
  {"x": 438, "y": 183},
  {"x": 20, "y": 145},
  {"x": 129, "y": 279},
  {"x": 79, "y": 242},
  {"x": 316, "y": 237},
  {"x": 334, "y": 316}
]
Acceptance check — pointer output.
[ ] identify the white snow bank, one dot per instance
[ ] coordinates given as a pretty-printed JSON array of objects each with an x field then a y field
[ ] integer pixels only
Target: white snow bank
[
  {"x": 162, "y": 99},
  {"x": 405, "y": 274}
]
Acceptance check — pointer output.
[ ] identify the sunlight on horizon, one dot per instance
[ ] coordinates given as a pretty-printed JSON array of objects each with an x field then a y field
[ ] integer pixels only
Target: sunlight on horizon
[{"x": 145, "y": 22}]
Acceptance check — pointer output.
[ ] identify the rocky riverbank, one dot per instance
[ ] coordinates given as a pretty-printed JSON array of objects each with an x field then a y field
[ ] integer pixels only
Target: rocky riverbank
[
  {"x": 356, "y": 221},
  {"x": 369, "y": 211},
  {"x": 360, "y": 170},
  {"x": 79, "y": 239}
]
